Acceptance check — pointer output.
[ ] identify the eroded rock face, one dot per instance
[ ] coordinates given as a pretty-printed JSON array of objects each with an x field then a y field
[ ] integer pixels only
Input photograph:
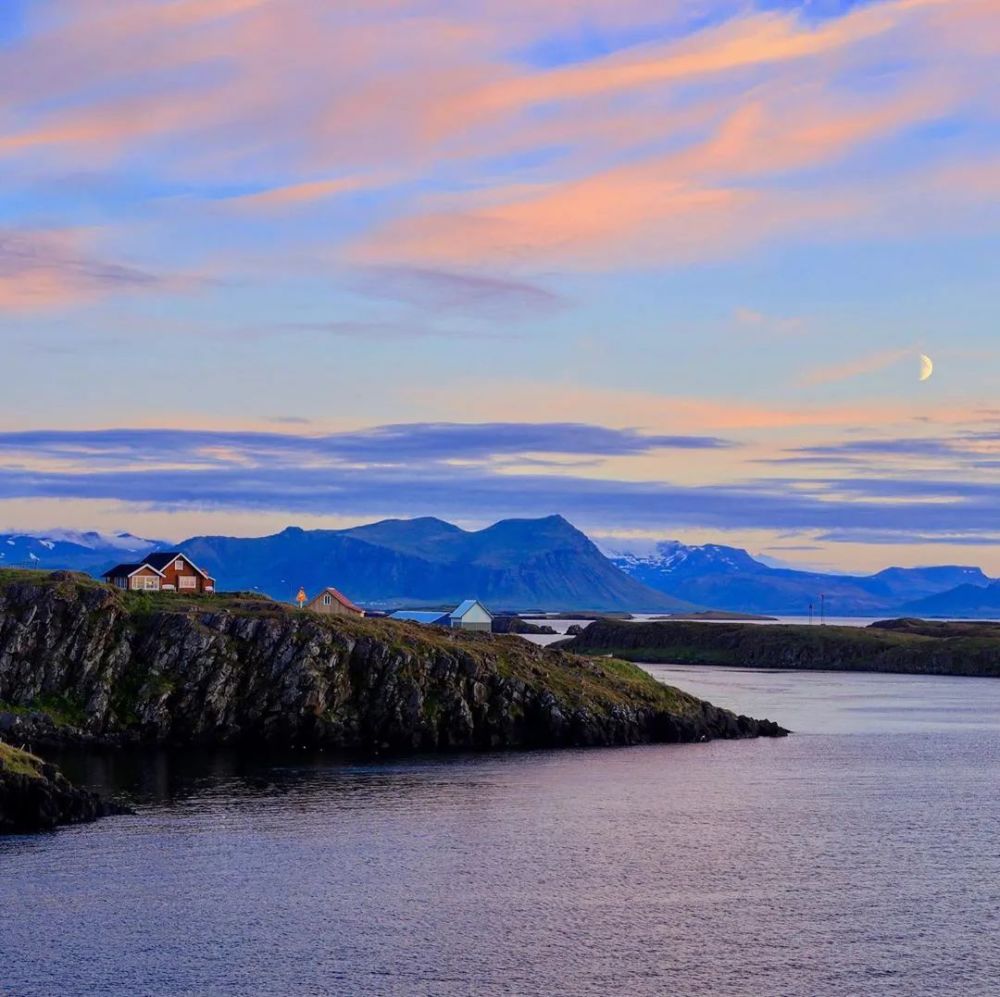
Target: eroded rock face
[{"x": 123, "y": 673}]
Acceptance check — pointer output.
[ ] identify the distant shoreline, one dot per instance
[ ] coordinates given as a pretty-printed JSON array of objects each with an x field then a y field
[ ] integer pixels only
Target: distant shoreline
[
  {"x": 721, "y": 615},
  {"x": 905, "y": 646}
]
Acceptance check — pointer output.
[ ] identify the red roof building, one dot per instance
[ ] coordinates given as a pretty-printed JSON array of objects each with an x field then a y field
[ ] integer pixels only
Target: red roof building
[
  {"x": 168, "y": 571},
  {"x": 333, "y": 603}
]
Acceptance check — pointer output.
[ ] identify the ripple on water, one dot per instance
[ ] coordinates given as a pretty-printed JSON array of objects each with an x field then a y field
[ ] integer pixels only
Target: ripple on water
[{"x": 824, "y": 864}]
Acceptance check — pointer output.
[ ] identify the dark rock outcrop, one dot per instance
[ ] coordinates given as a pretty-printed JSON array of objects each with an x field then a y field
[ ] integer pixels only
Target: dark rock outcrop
[
  {"x": 171, "y": 669},
  {"x": 516, "y": 625},
  {"x": 35, "y": 796}
]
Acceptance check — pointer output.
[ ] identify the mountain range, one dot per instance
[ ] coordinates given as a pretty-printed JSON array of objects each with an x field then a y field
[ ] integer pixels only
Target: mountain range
[
  {"x": 514, "y": 564},
  {"x": 72, "y": 549},
  {"x": 729, "y": 578},
  {"x": 522, "y": 564}
]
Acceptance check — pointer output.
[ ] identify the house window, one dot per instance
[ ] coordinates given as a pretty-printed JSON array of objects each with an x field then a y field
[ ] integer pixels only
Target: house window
[
  {"x": 187, "y": 582},
  {"x": 146, "y": 583},
  {"x": 327, "y": 599},
  {"x": 178, "y": 565}
]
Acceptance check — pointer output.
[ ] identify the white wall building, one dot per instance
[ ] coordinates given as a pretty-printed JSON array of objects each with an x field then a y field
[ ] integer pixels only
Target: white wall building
[{"x": 472, "y": 615}]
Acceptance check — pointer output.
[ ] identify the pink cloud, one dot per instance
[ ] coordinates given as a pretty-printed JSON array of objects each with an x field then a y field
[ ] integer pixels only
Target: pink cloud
[
  {"x": 628, "y": 161},
  {"x": 42, "y": 270},
  {"x": 871, "y": 363}
]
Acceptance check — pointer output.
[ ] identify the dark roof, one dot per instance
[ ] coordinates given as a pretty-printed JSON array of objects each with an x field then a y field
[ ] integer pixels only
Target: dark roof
[
  {"x": 161, "y": 559},
  {"x": 127, "y": 569},
  {"x": 157, "y": 561}
]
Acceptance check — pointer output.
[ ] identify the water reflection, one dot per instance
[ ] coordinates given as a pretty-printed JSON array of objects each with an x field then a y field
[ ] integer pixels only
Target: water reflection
[{"x": 858, "y": 858}]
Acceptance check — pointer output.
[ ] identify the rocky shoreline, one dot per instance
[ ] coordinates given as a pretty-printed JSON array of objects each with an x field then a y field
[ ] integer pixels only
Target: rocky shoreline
[
  {"x": 35, "y": 796},
  {"x": 84, "y": 665},
  {"x": 82, "y": 662}
]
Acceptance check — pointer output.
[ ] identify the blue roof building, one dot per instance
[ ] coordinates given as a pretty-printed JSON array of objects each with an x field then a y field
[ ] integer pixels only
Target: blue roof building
[
  {"x": 421, "y": 616},
  {"x": 470, "y": 615}
]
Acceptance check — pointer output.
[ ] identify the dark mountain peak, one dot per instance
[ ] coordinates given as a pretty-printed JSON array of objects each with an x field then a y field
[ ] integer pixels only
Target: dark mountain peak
[
  {"x": 423, "y": 536},
  {"x": 545, "y": 525},
  {"x": 555, "y": 520},
  {"x": 536, "y": 535},
  {"x": 417, "y": 523}
]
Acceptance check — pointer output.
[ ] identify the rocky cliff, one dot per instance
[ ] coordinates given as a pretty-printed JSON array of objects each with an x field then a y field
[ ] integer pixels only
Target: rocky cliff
[
  {"x": 78, "y": 660},
  {"x": 909, "y": 646}
]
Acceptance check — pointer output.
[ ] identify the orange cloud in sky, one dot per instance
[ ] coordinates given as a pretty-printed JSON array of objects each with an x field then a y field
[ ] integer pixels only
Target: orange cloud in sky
[
  {"x": 743, "y": 43},
  {"x": 691, "y": 204},
  {"x": 301, "y": 193},
  {"x": 625, "y": 163},
  {"x": 487, "y": 400},
  {"x": 631, "y": 216}
]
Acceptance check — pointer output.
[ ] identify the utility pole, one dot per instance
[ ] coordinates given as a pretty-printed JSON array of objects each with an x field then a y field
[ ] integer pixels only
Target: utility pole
[
  {"x": 822, "y": 609},
  {"x": 810, "y": 614}
]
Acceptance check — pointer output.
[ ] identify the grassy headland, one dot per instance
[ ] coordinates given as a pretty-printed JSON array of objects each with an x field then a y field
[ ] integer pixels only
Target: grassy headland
[
  {"x": 170, "y": 668},
  {"x": 908, "y": 646}
]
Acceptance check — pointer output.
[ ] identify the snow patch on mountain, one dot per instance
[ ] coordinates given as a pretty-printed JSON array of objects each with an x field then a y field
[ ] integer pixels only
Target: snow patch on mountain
[
  {"x": 91, "y": 539},
  {"x": 666, "y": 556}
]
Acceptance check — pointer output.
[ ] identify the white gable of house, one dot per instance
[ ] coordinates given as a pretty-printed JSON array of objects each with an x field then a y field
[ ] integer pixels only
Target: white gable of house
[{"x": 472, "y": 611}]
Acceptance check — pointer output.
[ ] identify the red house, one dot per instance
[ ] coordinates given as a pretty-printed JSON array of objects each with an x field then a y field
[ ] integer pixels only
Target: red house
[
  {"x": 334, "y": 603},
  {"x": 169, "y": 571}
]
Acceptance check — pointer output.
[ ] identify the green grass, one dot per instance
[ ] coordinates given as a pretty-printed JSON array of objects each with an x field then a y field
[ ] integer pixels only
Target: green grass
[
  {"x": 601, "y": 684},
  {"x": 64, "y": 711},
  {"x": 67, "y": 581},
  {"x": 243, "y": 603},
  {"x": 19, "y": 762},
  {"x": 914, "y": 647}
]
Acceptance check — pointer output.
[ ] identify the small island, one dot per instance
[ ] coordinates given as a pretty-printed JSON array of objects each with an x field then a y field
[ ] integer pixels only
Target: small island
[{"x": 907, "y": 646}]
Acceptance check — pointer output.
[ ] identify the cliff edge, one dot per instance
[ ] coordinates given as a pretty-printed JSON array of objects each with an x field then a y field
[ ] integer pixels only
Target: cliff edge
[{"x": 80, "y": 660}]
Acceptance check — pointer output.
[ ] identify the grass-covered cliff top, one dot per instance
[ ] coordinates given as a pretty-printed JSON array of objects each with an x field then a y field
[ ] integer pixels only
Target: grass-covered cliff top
[
  {"x": 70, "y": 582},
  {"x": 17, "y": 762},
  {"x": 911, "y": 646},
  {"x": 603, "y": 686},
  {"x": 35, "y": 796}
]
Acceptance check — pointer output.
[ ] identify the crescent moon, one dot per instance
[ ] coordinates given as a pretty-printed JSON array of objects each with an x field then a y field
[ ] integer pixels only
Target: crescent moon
[{"x": 926, "y": 367}]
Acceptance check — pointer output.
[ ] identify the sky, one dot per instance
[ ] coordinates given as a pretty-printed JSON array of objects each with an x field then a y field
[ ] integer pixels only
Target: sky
[{"x": 665, "y": 268}]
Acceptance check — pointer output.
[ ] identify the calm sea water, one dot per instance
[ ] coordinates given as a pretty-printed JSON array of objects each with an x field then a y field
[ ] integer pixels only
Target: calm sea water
[{"x": 861, "y": 856}]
